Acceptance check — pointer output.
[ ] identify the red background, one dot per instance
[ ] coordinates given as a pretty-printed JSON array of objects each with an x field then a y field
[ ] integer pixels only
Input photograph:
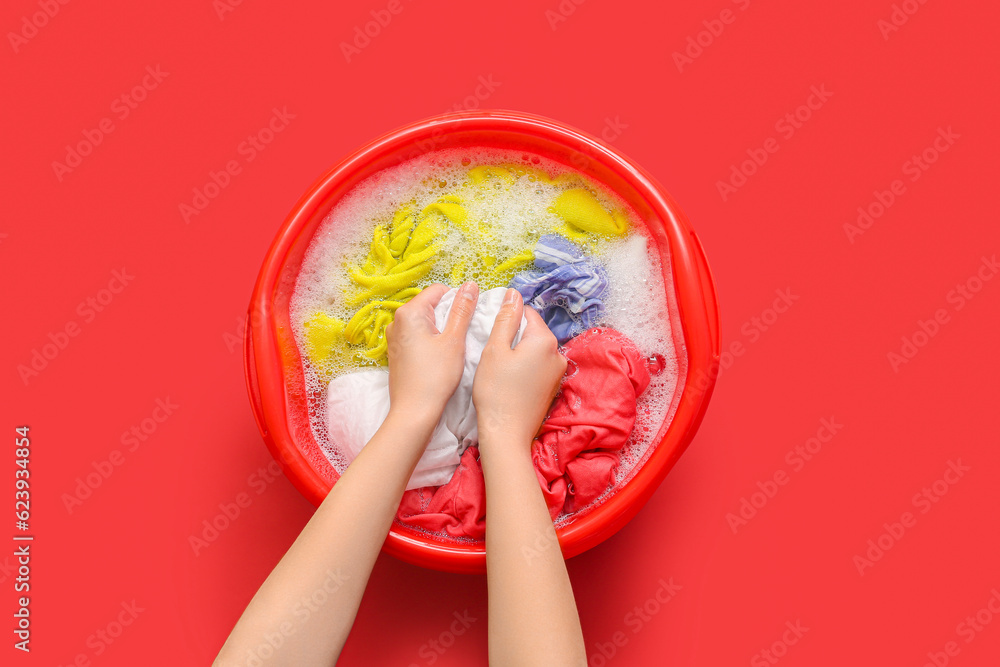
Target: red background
[{"x": 170, "y": 333}]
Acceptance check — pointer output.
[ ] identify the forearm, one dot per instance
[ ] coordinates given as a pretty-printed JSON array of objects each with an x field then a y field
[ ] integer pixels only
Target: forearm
[
  {"x": 533, "y": 618},
  {"x": 311, "y": 597}
]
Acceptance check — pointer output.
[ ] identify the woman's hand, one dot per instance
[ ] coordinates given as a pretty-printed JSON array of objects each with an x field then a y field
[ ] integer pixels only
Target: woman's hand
[
  {"x": 425, "y": 365},
  {"x": 514, "y": 388}
]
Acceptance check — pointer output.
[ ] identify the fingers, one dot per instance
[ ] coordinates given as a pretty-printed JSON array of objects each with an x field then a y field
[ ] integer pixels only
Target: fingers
[
  {"x": 462, "y": 310},
  {"x": 537, "y": 329},
  {"x": 508, "y": 319}
]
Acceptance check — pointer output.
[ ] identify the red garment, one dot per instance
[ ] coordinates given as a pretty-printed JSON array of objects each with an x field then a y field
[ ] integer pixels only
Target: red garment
[{"x": 576, "y": 451}]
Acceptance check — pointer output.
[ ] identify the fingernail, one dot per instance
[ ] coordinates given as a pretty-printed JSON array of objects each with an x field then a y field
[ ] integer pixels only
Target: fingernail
[
  {"x": 466, "y": 290},
  {"x": 511, "y": 296}
]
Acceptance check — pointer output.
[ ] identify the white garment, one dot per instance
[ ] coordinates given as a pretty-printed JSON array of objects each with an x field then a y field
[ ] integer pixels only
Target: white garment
[{"x": 358, "y": 403}]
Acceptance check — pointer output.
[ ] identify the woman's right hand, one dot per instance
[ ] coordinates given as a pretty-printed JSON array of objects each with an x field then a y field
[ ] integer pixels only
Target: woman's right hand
[{"x": 514, "y": 388}]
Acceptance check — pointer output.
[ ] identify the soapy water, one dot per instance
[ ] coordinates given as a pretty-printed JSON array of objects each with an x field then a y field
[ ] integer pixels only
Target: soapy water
[{"x": 514, "y": 212}]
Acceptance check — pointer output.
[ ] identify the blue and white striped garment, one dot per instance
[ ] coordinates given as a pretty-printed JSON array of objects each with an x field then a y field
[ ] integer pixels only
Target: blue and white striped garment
[{"x": 566, "y": 288}]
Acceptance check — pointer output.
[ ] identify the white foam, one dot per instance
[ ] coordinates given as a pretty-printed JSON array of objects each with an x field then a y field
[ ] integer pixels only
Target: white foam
[{"x": 636, "y": 299}]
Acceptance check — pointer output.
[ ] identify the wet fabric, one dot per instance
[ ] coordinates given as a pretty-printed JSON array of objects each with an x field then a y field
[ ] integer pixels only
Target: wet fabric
[
  {"x": 578, "y": 446},
  {"x": 358, "y": 403},
  {"x": 490, "y": 267},
  {"x": 403, "y": 252},
  {"x": 566, "y": 288},
  {"x": 585, "y": 216},
  {"x": 400, "y": 255}
]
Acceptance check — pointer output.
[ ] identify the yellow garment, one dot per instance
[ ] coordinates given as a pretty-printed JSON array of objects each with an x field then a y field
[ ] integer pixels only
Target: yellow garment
[
  {"x": 488, "y": 270},
  {"x": 325, "y": 342},
  {"x": 584, "y": 216},
  {"x": 508, "y": 173},
  {"x": 399, "y": 257},
  {"x": 403, "y": 252}
]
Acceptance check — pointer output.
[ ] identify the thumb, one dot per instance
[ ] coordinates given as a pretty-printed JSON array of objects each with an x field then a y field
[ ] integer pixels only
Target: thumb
[
  {"x": 537, "y": 329},
  {"x": 508, "y": 319}
]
